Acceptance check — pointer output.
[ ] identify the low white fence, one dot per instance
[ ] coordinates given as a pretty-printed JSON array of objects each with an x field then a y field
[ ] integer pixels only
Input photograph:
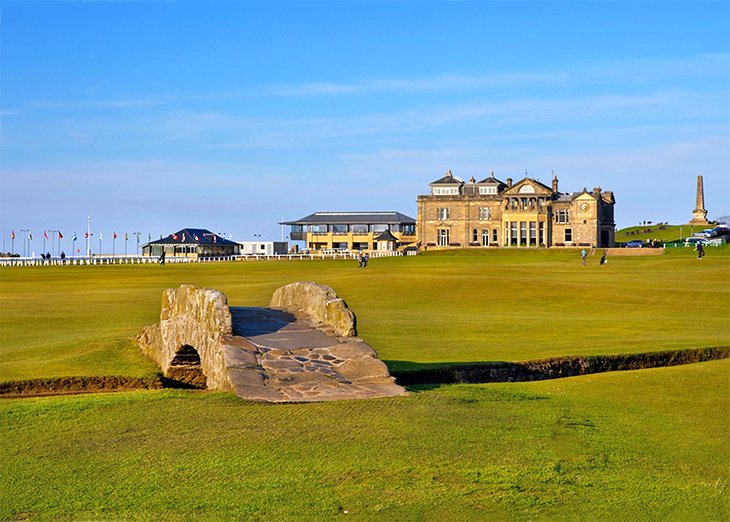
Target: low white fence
[
  {"x": 143, "y": 260},
  {"x": 105, "y": 260}
]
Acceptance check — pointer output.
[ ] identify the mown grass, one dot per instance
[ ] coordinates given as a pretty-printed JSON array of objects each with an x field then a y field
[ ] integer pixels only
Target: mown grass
[
  {"x": 645, "y": 445},
  {"x": 665, "y": 233},
  {"x": 455, "y": 307}
]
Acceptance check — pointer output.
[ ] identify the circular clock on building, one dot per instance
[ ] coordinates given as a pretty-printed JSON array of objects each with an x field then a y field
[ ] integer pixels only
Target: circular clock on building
[{"x": 584, "y": 207}]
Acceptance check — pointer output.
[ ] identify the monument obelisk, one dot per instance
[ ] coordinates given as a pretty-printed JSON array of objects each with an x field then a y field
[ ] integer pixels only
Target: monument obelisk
[{"x": 699, "y": 214}]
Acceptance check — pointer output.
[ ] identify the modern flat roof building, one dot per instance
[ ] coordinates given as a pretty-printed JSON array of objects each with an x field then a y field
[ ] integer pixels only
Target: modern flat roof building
[
  {"x": 353, "y": 230},
  {"x": 192, "y": 242}
]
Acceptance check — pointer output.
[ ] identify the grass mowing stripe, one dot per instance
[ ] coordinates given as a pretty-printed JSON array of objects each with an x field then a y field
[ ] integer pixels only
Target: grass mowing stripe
[
  {"x": 632, "y": 445},
  {"x": 447, "y": 308}
]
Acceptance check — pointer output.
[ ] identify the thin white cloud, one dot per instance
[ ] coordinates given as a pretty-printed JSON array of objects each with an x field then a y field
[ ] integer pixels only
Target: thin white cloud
[
  {"x": 496, "y": 117},
  {"x": 637, "y": 70},
  {"x": 437, "y": 83},
  {"x": 109, "y": 104}
]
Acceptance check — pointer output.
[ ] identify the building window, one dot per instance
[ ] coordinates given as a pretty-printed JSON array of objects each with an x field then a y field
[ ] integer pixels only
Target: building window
[
  {"x": 542, "y": 233},
  {"x": 494, "y": 236},
  {"x": 561, "y": 216},
  {"x": 442, "y": 213},
  {"x": 378, "y": 228},
  {"x": 487, "y": 190},
  {"x": 485, "y": 213},
  {"x": 485, "y": 236},
  {"x": 339, "y": 229},
  {"x": 568, "y": 235},
  {"x": 359, "y": 229},
  {"x": 439, "y": 191},
  {"x": 475, "y": 236},
  {"x": 513, "y": 233},
  {"x": 443, "y": 237},
  {"x": 523, "y": 233},
  {"x": 533, "y": 233},
  {"x": 409, "y": 229}
]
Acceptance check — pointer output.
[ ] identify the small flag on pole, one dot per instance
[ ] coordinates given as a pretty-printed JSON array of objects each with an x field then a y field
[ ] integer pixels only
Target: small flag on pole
[
  {"x": 115, "y": 235},
  {"x": 74, "y": 238},
  {"x": 101, "y": 238},
  {"x": 126, "y": 236},
  {"x": 60, "y": 236},
  {"x": 174, "y": 236},
  {"x": 183, "y": 239},
  {"x": 45, "y": 234},
  {"x": 196, "y": 238},
  {"x": 12, "y": 235},
  {"x": 215, "y": 238},
  {"x": 30, "y": 235}
]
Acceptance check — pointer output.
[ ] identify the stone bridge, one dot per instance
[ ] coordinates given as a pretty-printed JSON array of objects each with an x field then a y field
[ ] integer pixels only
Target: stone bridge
[{"x": 301, "y": 349}]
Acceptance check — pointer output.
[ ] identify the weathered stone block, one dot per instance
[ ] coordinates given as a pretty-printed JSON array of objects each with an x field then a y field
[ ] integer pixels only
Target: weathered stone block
[
  {"x": 289, "y": 362},
  {"x": 320, "y": 302}
]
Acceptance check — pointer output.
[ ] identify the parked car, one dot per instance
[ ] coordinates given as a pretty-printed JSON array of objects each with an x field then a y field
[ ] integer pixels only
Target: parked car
[
  {"x": 708, "y": 232},
  {"x": 692, "y": 241},
  {"x": 636, "y": 243},
  {"x": 722, "y": 230}
]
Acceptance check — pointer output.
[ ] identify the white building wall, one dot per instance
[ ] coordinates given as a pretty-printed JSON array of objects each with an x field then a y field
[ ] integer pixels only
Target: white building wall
[{"x": 263, "y": 248}]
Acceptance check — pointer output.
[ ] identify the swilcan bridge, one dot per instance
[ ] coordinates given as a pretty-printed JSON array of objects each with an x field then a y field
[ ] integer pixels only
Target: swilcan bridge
[{"x": 302, "y": 348}]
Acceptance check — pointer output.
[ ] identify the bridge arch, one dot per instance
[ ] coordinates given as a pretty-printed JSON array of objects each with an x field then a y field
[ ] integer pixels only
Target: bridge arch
[{"x": 186, "y": 368}]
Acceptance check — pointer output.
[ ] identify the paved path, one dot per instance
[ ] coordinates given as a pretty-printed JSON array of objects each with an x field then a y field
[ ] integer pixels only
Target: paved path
[{"x": 297, "y": 362}]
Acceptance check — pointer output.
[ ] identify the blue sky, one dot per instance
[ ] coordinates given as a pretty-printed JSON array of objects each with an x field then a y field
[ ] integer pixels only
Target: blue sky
[{"x": 152, "y": 117}]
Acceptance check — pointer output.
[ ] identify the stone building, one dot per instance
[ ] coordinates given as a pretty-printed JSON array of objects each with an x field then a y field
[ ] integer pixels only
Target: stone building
[{"x": 490, "y": 212}]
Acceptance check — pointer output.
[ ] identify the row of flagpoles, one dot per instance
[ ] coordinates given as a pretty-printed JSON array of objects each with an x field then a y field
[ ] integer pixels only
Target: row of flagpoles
[{"x": 55, "y": 237}]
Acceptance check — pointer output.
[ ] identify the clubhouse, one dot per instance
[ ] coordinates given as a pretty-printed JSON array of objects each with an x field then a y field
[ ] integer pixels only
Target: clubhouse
[
  {"x": 354, "y": 230},
  {"x": 490, "y": 212}
]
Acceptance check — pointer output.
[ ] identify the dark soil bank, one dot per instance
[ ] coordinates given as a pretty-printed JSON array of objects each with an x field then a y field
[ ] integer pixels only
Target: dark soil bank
[
  {"x": 556, "y": 368},
  {"x": 469, "y": 373},
  {"x": 64, "y": 385}
]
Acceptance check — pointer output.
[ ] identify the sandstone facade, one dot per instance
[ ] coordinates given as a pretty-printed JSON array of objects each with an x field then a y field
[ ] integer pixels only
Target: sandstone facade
[{"x": 491, "y": 213}]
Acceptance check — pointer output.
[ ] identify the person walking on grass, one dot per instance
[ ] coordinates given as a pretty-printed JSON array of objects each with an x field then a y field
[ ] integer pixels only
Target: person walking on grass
[
  {"x": 583, "y": 255},
  {"x": 700, "y": 250},
  {"x": 604, "y": 256},
  {"x": 162, "y": 258}
]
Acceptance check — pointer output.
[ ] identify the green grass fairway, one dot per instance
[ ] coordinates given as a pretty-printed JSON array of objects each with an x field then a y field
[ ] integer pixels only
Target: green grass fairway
[
  {"x": 454, "y": 307},
  {"x": 644, "y": 445}
]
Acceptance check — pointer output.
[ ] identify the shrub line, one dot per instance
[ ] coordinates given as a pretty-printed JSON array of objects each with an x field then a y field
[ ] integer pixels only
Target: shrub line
[{"x": 558, "y": 367}]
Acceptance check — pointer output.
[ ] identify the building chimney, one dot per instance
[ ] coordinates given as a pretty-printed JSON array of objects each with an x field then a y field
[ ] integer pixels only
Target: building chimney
[
  {"x": 597, "y": 191},
  {"x": 555, "y": 182},
  {"x": 509, "y": 182},
  {"x": 472, "y": 180}
]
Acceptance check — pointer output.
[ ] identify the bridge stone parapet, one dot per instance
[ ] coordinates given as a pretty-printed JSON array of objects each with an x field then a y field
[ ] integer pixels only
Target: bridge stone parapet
[
  {"x": 320, "y": 303},
  {"x": 194, "y": 325},
  {"x": 302, "y": 349}
]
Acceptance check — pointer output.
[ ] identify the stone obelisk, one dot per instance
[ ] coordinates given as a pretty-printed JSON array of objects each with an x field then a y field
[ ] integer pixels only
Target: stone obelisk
[{"x": 699, "y": 214}]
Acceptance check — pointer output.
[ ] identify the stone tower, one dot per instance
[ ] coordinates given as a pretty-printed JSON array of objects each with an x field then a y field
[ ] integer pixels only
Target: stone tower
[{"x": 699, "y": 214}]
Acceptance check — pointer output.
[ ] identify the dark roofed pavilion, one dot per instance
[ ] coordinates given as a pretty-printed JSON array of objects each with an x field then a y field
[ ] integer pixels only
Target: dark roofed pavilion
[{"x": 192, "y": 242}]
